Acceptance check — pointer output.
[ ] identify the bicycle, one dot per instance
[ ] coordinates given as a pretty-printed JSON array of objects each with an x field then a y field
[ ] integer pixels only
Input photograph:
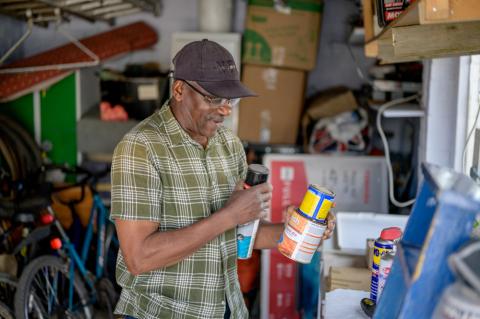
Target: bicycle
[
  {"x": 62, "y": 285},
  {"x": 21, "y": 235}
]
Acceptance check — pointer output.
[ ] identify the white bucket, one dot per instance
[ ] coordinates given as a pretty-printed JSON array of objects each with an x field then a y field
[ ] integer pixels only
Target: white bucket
[{"x": 215, "y": 15}]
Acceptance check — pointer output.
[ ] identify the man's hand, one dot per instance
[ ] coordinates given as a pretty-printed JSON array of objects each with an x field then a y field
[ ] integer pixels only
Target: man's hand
[
  {"x": 246, "y": 205},
  {"x": 331, "y": 222}
]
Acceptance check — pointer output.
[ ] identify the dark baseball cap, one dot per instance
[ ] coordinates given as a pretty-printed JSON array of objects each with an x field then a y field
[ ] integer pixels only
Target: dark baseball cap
[{"x": 212, "y": 67}]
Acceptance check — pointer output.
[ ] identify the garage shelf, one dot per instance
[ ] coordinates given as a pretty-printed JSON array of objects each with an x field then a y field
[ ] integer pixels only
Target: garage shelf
[{"x": 44, "y": 11}]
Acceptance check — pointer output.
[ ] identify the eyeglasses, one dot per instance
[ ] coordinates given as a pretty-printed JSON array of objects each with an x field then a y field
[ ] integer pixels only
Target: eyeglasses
[{"x": 214, "y": 101}]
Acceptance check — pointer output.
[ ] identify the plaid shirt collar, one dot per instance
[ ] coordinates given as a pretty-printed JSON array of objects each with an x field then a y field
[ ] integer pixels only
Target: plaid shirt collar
[{"x": 177, "y": 135}]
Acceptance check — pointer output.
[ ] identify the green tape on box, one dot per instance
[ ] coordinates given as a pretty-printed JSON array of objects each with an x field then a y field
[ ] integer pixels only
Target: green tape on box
[
  {"x": 304, "y": 5},
  {"x": 256, "y": 48}
]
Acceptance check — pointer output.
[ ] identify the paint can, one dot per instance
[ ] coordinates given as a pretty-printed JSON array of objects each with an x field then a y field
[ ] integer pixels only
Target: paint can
[
  {"x": 383, "y": 245},
  {"x": 301, "y": 238},
  {"x": 246, "y": 233},
  {"x": 317, "y": 203}
]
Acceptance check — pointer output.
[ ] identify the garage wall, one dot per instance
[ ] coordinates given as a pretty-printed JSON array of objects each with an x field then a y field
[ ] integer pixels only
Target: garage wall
[
  {"x": 10, "y": 31},
  {"x": 335, "y": 64}
]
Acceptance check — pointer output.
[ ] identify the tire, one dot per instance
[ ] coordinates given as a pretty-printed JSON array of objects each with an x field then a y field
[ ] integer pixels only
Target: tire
[
  {"x": 5, "y": 312},
  {"x": 36, "y": 288},
  {"x": 8, "y": 286},
  {"x": 27, "y": 139},
  {"x": 107, "y": 296}
]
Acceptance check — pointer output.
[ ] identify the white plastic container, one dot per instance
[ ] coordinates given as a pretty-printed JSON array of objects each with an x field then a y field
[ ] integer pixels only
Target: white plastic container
[
  {"x": 215, "y": 15},
  {"x": 353, "y": 229}
]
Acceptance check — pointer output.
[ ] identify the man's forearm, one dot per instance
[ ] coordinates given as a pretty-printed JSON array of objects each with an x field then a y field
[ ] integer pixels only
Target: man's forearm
[
  {"x": 268, "y": 235},
  {"x": 166, "y": 248}
]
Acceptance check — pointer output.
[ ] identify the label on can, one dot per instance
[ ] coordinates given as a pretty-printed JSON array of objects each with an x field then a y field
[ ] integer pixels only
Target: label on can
[
  {"x": 383, "y": 271},
  {"x": 301, "y": 238},
  {"x": 246, "y": 234},
  {"x": 317, "y": 202},
  {"x": 380, "y": 248}
]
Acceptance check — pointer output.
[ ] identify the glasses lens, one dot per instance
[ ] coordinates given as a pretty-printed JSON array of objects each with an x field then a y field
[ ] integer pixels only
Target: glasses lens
[
  {"x": 219, "y": 101},
  {"x": 234, "y": 102}
]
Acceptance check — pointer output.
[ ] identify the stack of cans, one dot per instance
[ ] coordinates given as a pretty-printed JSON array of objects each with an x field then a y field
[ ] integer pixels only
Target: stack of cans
[{"x": 303, "y": 233}]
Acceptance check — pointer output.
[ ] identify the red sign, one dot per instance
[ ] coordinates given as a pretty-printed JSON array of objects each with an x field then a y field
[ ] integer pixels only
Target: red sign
[{"x": 289, "y": 186}]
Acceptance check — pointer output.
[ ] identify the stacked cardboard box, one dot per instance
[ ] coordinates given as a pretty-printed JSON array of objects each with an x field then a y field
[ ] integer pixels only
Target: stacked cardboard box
[
  {"x": 279, "y": 46},
  {"x": 349, "y": 278}
]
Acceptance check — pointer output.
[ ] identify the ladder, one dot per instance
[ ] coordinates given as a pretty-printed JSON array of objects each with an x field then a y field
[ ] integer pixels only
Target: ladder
[{"x": 441, "y": 221}]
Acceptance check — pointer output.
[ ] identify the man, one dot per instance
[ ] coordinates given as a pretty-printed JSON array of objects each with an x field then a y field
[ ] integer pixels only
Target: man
[{"x": 177, "y": 197}]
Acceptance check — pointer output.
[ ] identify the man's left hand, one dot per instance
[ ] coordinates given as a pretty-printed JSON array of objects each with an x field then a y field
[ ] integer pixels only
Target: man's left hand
[{"x": 331, "y": 221}]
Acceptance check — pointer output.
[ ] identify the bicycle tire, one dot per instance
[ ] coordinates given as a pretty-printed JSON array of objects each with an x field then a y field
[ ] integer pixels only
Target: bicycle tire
[
  {"x": 27, "y": 138},
  {"x": 108, "y": 296},
  {"x": 31, "y": 289},
  {"x": 9, "y": 157},
  {"x": 22, "y": 153},
  {"x": 8, "y": 286},
  {"x": 5, "y": 312}
]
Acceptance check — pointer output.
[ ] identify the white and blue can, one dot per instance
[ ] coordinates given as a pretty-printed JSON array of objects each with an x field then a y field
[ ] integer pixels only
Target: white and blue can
[
  {"x": 246, "y": 233},
  {"x": 383, "y": 245}
]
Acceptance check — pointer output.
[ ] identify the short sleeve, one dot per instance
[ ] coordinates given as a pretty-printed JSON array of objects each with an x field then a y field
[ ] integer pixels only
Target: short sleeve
[
  {"x": 136, "y": 185},
  {"x": 242, "y": 159}
]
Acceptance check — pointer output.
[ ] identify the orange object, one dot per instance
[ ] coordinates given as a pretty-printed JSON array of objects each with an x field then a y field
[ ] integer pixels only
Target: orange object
[
  {"x": 109, "y": 113},
  {"x": 56, "y": 243},
  {"x": 63, "y": 212},
  {"x": 301, "y": 238},
  {"x": 249, "y": 272}
]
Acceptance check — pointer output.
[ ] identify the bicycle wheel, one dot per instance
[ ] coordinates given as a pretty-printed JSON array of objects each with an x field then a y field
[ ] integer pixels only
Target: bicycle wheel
[
  {"x": 8, "y": 285},
  {"x": 5, "y": 312},
  {"x": 43, "y": 291}
]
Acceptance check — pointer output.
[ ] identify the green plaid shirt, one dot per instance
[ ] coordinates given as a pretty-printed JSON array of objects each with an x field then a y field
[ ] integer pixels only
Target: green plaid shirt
[{"x": 160, "y": 174}]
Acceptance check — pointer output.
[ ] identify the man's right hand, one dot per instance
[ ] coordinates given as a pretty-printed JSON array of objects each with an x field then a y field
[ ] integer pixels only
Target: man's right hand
[{"x": 246, "y": 205}]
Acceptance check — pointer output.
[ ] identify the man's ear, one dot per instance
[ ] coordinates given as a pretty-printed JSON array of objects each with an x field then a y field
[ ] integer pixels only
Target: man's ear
[{"x": 177, "y": 90}]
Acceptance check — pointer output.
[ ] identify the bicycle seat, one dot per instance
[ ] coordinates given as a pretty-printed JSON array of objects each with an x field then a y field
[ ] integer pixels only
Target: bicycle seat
[{"x": 33, "y": 204}]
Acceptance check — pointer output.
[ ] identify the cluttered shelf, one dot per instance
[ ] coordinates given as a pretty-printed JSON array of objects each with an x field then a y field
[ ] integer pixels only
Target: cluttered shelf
[
  {"x": 426, "y": 29},
  {"x": 41, "y": 12}
]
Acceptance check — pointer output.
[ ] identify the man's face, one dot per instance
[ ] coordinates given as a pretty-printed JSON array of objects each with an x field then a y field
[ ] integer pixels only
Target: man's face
[{"x": 204, "y": 119}]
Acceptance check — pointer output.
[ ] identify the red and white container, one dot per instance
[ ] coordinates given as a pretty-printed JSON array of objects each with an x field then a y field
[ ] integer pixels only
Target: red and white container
[{"x": 301, "y": 238}]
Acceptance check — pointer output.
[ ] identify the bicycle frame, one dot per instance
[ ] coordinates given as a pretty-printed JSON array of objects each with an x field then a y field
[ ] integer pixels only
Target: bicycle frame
[
  {"x": 99, "y": 214},
  {"x": 76, "y": 260},
  {"x": 99, "y": 208}
]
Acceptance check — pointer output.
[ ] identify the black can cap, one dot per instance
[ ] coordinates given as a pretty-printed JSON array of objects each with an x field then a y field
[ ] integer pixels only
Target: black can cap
[{"x": 257, "y": 174}]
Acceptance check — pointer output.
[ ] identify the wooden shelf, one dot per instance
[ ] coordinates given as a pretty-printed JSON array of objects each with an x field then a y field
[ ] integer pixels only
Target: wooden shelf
[{"x": 427, "y": 29}]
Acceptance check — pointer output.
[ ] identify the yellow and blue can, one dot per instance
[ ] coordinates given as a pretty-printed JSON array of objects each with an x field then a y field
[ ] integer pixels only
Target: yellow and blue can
[{"x": 317, "y": 203}]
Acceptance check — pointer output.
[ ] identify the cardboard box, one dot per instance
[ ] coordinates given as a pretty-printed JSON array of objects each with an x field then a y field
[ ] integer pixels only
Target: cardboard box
[
  {"x": 274, "y": 116},
  {"x": 285, "y": 36},
  {"x": 349, "y": 278}
]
